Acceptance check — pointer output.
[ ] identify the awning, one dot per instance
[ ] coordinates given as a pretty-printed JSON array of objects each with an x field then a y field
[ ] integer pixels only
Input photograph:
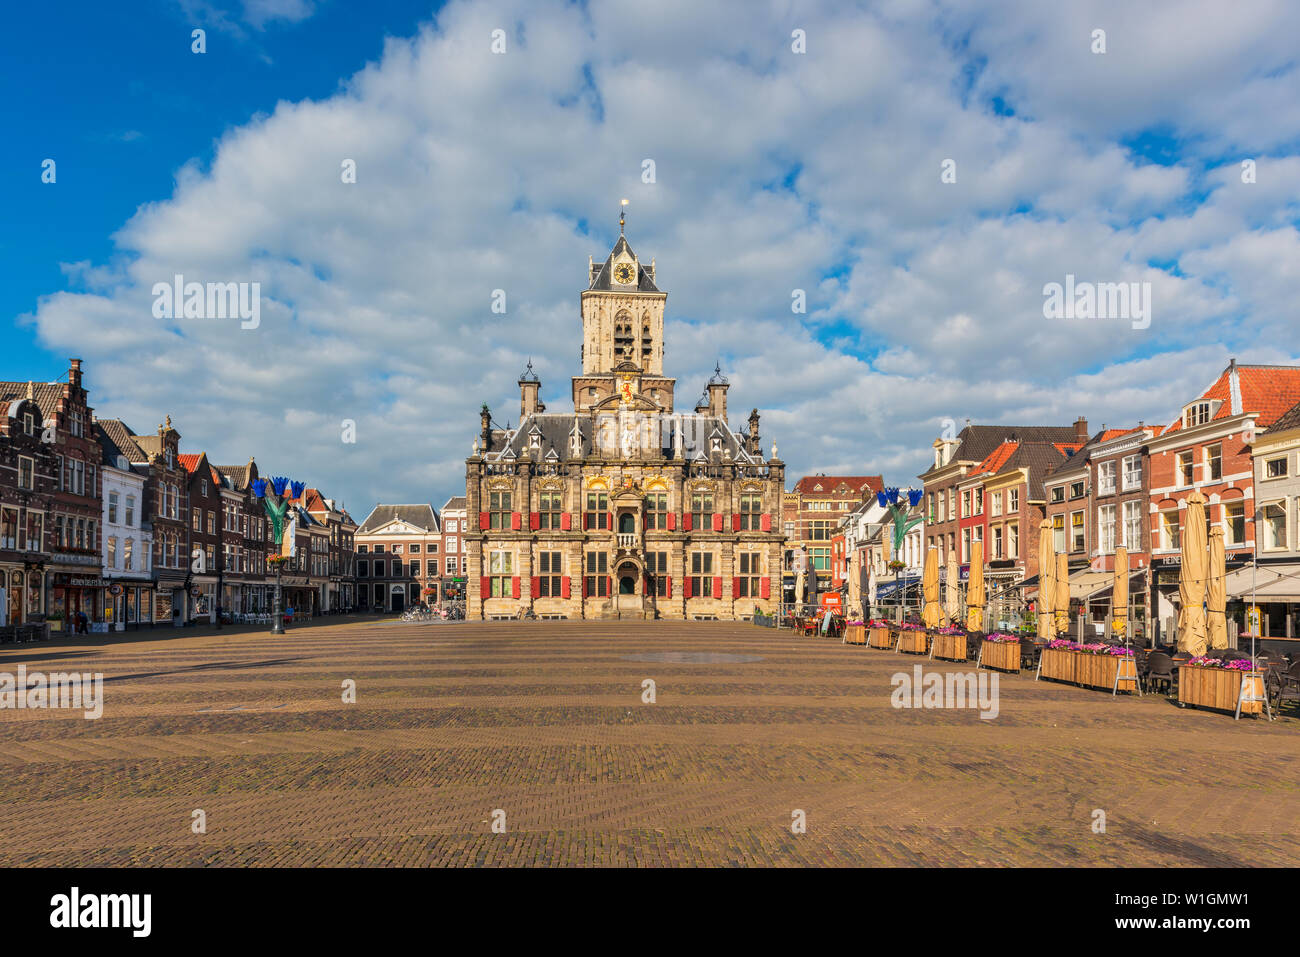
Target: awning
[
  {"x": 1105, "y": 590},
  {"x": 1086, "y": 583},
  {"x": 1267, "y": 583}
]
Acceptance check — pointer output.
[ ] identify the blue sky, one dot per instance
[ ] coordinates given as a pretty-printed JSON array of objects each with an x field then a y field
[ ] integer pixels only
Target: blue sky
[{"x": 775, "y": 171}]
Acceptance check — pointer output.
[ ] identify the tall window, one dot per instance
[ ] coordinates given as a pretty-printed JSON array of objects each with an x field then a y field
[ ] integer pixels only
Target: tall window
[
  {"x": 701, "y": 512},
  {"x": 1078, "y": 539},
  {"x": 548, "y": 574},
  {"x": 499, "y": 507},
  {"x": 997, "y": 541},
  {"x": 1106, "y": 477},
  {"x": 702, "y": 574},
  {"x": 196, "y": 519},
  {"x": 656, "y": 564},
  {"x": 128, "y": 546},
  {"x": 597, "y": 577},
  {"x": 112, "y": 552},
  {"x": 1133, "y": 525},
  {"x": 1186, "y": 468},
  {"x": 597, "y": 510},
  {"x": 500, "y": 570},
  {"x": 1058, "y": 533},
  {"x": 1013, "y": 539},
  {"x": 129, "y": 518},
  {"x": 1171, "y": 529},
  {"x": 381, "y": 568},
  {"x": 820, "y": 558},
  {"x": 1213, "y": 462},
  {"x": 751, "y": 512},
  {"x": 1106, "y": 529},
  {"x": 995, "y": 505},
  {"x": 26, "y": 472},
  {"x": 952, "y": 504},
  {"x": 1013, "y": 501},
  {"x": 35, "y": 531},
  {"x": 965, "y": 504},
  {"x": 551, "y": 506},
  {"x": 112, "y": 508},
  {"x": 749, "y": 575},
  {"x": 1274, "y": 526},
  {"x": 979, "y": 501},
  {"x": 8, "y": 528},
  {"x": 656, "y": 510},
  {"x": 1132, "y": 472},
  {"x": 1234, "y": 522}
]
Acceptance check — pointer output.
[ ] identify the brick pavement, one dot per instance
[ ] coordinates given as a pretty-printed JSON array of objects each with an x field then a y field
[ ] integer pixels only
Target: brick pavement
[{"x": 545, "y": 721}]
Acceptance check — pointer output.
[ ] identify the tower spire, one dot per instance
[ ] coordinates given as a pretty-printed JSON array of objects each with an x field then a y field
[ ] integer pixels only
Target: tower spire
[{"x": 622, "y": 205}]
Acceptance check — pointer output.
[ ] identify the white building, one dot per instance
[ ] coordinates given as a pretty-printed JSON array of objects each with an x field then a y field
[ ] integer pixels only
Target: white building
[{"x": 126, "y": 543}]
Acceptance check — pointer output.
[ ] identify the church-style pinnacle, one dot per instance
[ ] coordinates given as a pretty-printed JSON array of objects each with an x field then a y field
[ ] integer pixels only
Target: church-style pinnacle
[{"x": 622, "y": 205}]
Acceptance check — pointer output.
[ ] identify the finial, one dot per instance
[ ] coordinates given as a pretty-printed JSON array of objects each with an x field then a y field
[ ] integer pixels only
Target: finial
[
  {"x": 773, "y": 450},
  {"x": 622, "y": 203}
]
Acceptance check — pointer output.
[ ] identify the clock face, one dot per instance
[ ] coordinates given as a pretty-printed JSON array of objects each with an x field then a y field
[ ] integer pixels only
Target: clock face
[{"x": 624, "y": 273}]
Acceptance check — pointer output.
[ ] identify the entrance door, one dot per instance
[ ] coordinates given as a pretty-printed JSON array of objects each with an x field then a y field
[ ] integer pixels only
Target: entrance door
[
  {"x": 627, "y": 585},
  {"x": 399, "y": 601},
  {"x": 626, "y": 524}
]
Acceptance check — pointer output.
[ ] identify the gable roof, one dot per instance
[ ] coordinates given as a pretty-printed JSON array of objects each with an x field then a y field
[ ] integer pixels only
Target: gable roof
[
  {"x": 829, "y": 483},
  {"x": 456, "y": 503},
  {"x": 47, "y": 394},
  {"x": 1290, "y": 419},
  {"x": 116, "y": 438},
  {"x": 1266, "y": 391},
  {"x": 600, "y": 278},
  {"x": 420, "y": 516},
  {"x": 977, "y": 442}
]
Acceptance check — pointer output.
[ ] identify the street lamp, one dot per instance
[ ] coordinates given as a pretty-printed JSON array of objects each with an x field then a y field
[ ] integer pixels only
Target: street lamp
[{"x": 277, "y": 502}]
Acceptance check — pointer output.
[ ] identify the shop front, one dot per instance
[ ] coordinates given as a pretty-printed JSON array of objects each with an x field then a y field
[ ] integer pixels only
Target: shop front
[
  {"x": 170, "y": 600},
  {"x": 79, "y": 602},
  {"x": 21, "y": 594},
  {"x": 129, "y": 603}
]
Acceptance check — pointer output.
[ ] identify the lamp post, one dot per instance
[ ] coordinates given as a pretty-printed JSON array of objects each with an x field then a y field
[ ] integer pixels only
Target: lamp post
[{"x": 276, "y": 500}]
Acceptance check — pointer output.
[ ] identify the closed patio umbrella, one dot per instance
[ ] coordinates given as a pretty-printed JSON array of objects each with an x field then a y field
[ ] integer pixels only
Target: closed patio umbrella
[
  {"x": 871, "y": 590},
  {"x": 1061, "y": 606},
  {"x": 951, "y": 598},
  {"x": 975, "y": 589},
  {"x": 855, "y": 581},
  {"x": 1191, "y": 579},
  {"x": 1216, "y": 598},
  {"x": 1119, "y": 596},
  {"x": 930, "y": 588},
  {"x": 1046, "y": 582}
]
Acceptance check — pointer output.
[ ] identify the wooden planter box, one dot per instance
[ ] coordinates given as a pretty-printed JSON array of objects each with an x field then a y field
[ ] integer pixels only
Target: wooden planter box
[
  {"x": 914, "y": 642},
  {"x": 855, "y": 634},
  {"x": 949, "y": 647},
  {"x": 1219, "y": 688},
  {"x": 1002, "y": 655},
  {"x": 1091, "y": 671},
  {"x": 882, "y": 638}
]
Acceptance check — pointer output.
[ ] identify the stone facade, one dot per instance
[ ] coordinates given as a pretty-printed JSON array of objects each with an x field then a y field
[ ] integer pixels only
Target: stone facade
[{"x": 623, "y": 507}]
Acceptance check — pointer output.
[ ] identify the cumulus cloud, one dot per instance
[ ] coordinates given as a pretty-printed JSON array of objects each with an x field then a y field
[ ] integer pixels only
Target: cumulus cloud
[{"x": 775, "y": 171}]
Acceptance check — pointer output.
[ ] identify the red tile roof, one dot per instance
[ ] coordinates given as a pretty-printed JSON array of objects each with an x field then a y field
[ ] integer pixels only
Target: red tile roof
[
  {"x": 191, "y": 462},
  {"x": 1266, "y": 391},
  {"x": 995, "y": 459},
  {"x": 829, "y": 483}
]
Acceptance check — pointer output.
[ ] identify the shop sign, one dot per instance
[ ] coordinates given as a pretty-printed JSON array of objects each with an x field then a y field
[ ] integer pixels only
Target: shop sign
[
  {"x": 73, "y": 581},
  {"x": 115, "y": 589}
]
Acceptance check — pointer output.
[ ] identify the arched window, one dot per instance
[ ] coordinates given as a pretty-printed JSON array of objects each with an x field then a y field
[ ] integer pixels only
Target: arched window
[{"x": 623, "y": 336}]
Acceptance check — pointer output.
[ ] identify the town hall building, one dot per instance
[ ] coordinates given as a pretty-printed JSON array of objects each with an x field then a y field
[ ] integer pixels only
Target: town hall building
[{"x": 624, "y": 507}]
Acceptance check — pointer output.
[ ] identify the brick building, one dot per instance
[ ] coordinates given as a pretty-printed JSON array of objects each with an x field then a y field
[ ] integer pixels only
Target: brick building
[
  {"x": 810, "y": 514},
  {"x": 622, "y": 507},
  {"x": 454, "y": 574},
  {"x": 28, "y": 478},
  {"x": 395, "y": 544}
]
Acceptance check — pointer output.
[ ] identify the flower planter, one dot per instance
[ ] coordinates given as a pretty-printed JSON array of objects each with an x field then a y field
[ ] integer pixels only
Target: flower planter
[
  {"x": 1002, "y": 655},
  {"x": 882, "y": 638},
  {"x": 1220, "y": 688},
  {"x": 948, "y": 647},
  {"x": 855, "y": 634},
  {"x": 1108, "y": 672},
  {"x": 914, "y": 642}
]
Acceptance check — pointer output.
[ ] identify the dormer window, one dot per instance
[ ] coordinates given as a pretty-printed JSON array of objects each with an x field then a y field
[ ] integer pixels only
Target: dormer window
[
  {"x": 29, "y": 423},
  {"x": 171, "y": 458},
  {"x": 1198, "y": 413}
]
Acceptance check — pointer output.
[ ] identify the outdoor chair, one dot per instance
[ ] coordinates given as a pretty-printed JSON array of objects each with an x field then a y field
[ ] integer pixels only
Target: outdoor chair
[
  {"x": 1285, "y": 684},
  {"x": 1160, "y": 670},
  {"x": 1029, "y": 652}
]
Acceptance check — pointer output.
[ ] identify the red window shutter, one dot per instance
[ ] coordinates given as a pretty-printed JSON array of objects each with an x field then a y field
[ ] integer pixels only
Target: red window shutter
[
  {"x": 686, "y": 588},
  {"x": 485, "y": 587},
  {"x": 767, "y": 521},
  {"x": 564, "y": 587},
  {"x": 686, "y": 521},
  {"x": 534, "y": 521},
  {"x": 484, "y": 520},
  {"x": 534, "y": 586},
  {"x": 717, "y": 521},
  {"x": 584, "y": 520},
  {"x": 609, "y": 517},
  {"x": 584, "y": 588},
  {"x": 668, "y": 586},
  {"x": 717, "y": 586},
  {"x": 672, "y": 521},
  {"x": 609, "y": 584},
  {"x": 514, "y": 587},
  {"x": 765, "y": 586},
  {"x": 516, "y": 521},
  {"x": 735, "y": 588},
  {"x": 566, "y": 522},
  {"x": 735, "y": 522}
]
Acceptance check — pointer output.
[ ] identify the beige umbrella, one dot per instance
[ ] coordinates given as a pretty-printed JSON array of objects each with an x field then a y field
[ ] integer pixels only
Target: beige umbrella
[
  {"x": 1046, "y": 581},
  {"x": 1191, "y": 579},
  {"x": 930, "y": 587},
  {"x": 1119, "y": 595},
  {"x": 1061, "y": 606},
  {"x": 951, "y": 598},
  {"x": 798, "y": 590},
  {"x": 1217, "y": 593},
  {"x": 975, "y": 589},
  {"x": 855, "y": 581}
]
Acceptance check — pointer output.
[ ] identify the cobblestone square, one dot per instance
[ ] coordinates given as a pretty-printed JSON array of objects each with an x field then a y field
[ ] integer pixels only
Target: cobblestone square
[{"x": 546, "y": 722}]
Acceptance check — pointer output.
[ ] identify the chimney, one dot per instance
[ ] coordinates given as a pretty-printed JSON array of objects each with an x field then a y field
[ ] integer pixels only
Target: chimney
[
  {"x": 718, "y": 399},
  {"x": 529, "y": 386},
  {"x": 74, "y": 373},
  {"x": 1081, "y": 429}
]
